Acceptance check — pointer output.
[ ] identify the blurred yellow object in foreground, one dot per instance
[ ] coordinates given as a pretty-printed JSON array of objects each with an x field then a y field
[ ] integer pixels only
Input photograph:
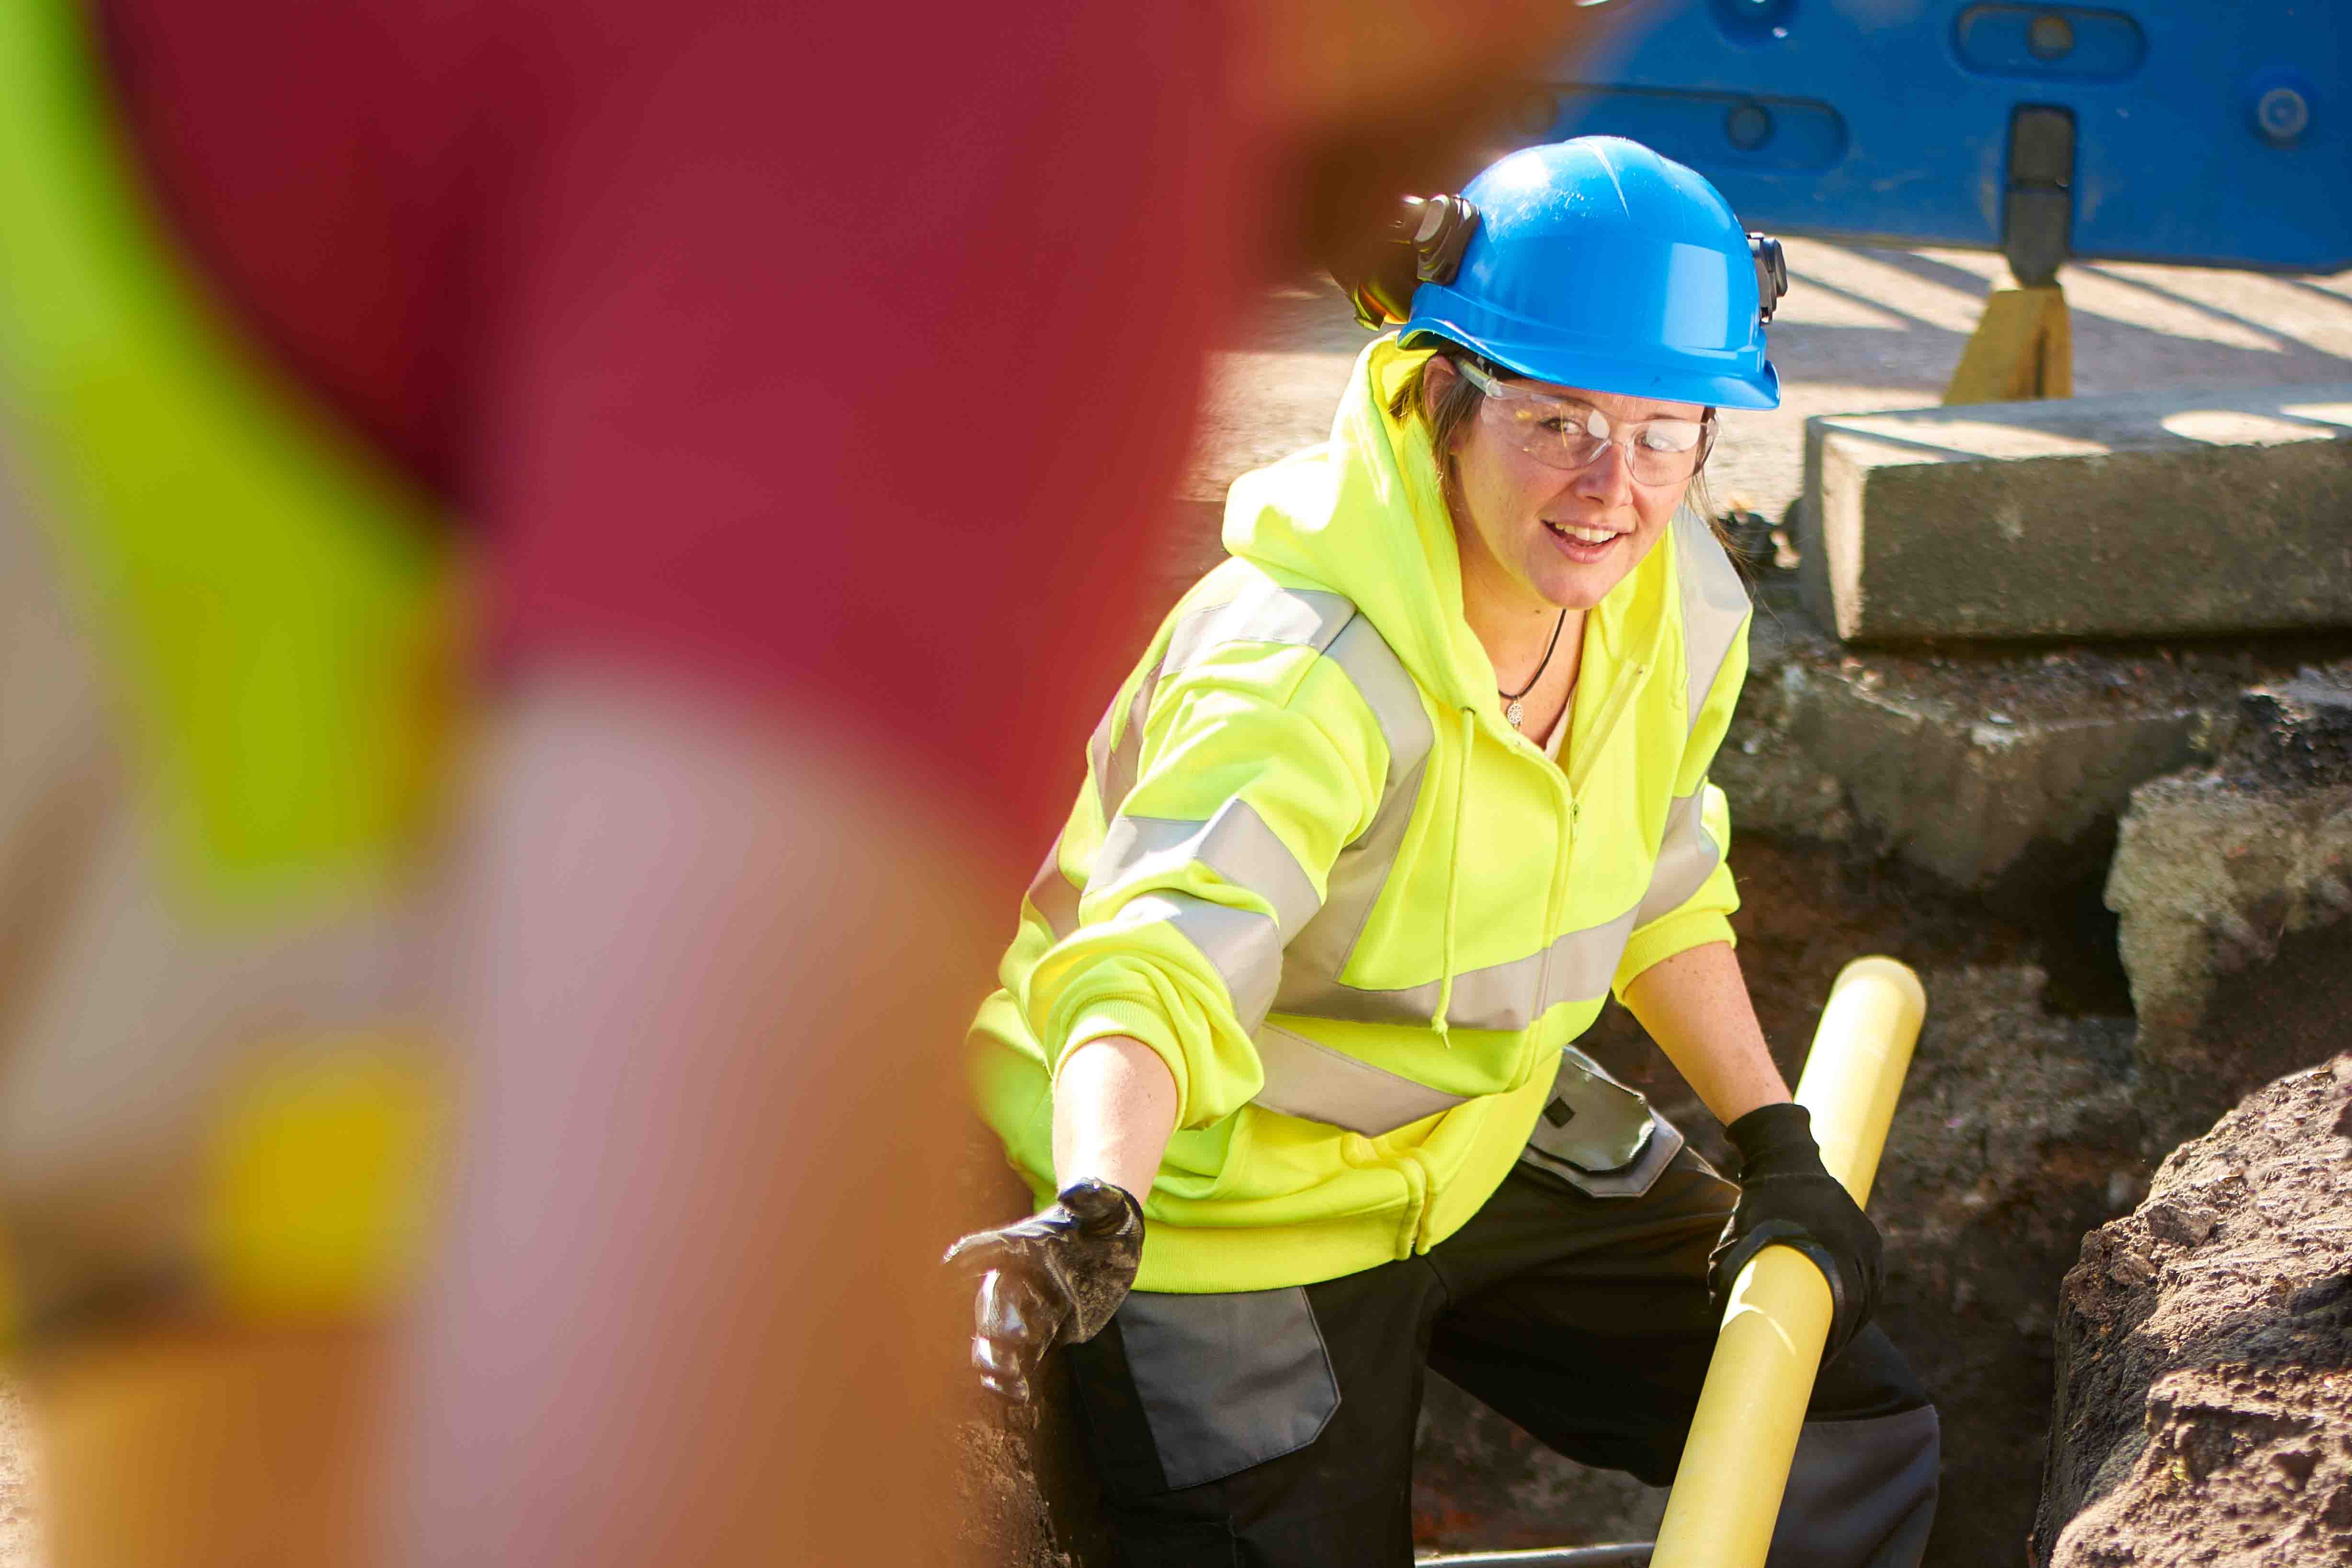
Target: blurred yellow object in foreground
[
  {"x": 318, "y": 1183},
  {"x": 1734, "y": 1465}
]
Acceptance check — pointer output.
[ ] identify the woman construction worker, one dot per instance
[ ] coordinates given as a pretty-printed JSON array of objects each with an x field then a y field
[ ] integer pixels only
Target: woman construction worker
[
  {"x": 438, "y": 719},
  {"x": 1400, "y": 794}
]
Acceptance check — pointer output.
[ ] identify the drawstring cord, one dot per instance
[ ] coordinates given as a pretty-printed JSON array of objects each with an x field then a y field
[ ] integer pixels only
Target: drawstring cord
[{"x": 1453, "y": 869}]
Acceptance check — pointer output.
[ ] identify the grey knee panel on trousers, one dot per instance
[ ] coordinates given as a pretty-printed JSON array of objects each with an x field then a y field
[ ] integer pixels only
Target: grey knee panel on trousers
[
  {"x": 1862, "y": 1494},
  {"x": 1227, "y": 1381},
  {"x": 1276, "y": 1427}
]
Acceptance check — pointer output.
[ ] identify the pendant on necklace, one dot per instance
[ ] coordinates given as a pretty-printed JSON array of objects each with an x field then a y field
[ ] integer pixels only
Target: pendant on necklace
[{"x": 1515, "y": 713}]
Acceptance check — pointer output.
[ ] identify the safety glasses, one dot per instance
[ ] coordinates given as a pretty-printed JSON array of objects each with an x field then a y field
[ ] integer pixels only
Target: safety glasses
[{"x": 1565, "y": 434}]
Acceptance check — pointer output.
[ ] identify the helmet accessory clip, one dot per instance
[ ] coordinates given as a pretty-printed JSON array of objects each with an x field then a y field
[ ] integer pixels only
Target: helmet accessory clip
[
  {"x": 1423, "y": 244},
  {"x": 1771, "y": 274}
]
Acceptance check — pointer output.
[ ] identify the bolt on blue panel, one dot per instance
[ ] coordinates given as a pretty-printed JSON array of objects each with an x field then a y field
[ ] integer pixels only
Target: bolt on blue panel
[{"x": 2205, "y": 131}]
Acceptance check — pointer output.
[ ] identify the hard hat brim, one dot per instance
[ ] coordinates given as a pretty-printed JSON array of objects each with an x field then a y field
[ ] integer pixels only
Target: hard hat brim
[{"x": 1731, "y": 385}]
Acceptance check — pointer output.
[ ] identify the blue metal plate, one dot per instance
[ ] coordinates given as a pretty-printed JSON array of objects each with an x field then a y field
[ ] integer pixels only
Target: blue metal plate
[{"x": 2207, "y": 133}]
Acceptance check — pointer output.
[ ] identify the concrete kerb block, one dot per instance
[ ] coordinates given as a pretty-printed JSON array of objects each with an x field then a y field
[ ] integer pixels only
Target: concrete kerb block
[
  {"x": 1989, "y": 770},
  {"x": 2149, "y": 515},
  {"x": 1977, "y": 799}
]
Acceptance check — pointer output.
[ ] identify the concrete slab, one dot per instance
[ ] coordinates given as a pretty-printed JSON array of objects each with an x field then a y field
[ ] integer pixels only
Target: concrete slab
[
  {"x": 2160, "y": 515},
  {"x": 1999, "y": 771}
]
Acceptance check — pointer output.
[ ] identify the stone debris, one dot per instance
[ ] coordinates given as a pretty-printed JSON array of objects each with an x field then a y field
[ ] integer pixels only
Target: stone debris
[
  {"x": 2232, "y": 885},
  {"x": 2300, "y": 730},
  {"x": 2204, "y": 1403},
  {"x": 2002, "y": 773},
  {"x": 2184, "y": 1224}
]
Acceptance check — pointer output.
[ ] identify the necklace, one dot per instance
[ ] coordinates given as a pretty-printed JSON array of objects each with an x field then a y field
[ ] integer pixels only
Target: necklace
[{"x": 1511, "y": 709}]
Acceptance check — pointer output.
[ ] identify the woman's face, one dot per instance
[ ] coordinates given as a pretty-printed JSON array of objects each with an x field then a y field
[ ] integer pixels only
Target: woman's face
[{"x": 1533, "y": 531}]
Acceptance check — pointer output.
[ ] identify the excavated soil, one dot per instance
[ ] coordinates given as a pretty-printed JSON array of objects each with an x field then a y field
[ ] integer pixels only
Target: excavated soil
[
  {"x": 2205, "y": 1405},
  {"x": 2016, "y": 1135}
]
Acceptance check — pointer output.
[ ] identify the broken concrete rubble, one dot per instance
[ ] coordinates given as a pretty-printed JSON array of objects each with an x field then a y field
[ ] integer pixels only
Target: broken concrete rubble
[
  {"x": 2233, "y": 885},
  {"x": 2204, "y": 1403},
  {"x": 2139, "y": 515},
  {"x": 2000, "y": 772}
]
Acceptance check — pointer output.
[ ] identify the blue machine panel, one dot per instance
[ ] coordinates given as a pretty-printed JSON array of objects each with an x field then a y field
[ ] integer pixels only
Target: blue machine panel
[{"x": 2204, "y": 130}]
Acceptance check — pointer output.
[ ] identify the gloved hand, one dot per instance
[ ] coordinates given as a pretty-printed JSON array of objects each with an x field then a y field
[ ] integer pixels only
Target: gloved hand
[
  {"x": 1787, "y": 1197},
  {"x": 1054, "y": 1278}
]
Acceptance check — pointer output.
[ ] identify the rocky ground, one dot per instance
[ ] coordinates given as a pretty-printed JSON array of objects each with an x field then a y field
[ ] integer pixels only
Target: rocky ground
[{"x": 2205, "y": 1347}]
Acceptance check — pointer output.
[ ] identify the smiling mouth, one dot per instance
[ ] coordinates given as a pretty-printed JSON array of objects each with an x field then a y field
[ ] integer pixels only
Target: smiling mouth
[{"x": 1581, "y": 534}]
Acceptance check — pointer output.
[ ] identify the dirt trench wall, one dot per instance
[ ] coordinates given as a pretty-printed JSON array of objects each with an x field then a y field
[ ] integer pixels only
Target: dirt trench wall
[
  {"x": 2015, "y": 1135},
  {"x": 2204, "y": 1407}
]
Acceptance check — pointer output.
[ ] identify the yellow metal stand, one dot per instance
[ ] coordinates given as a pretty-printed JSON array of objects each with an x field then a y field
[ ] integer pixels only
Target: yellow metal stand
[
  {"x": 2023, "y": 347},
  {"x": 1734, "y": 1465}
]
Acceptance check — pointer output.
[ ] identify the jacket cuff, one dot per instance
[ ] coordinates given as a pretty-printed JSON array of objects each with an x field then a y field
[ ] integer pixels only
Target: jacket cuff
[
  {"x": 1112, "y": 1015},
  {"x": 1666, "y": 936}
]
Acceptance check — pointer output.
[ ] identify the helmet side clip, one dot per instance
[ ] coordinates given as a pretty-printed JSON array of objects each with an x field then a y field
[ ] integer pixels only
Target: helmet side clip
[
  {"x": 1423, "y": 244},
  {"x": 1771, "y": 274}
]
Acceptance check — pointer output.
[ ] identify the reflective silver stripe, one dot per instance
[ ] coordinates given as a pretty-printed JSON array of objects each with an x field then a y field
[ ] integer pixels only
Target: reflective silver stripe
[
  {"x": 1715, "y": 603},
  {"x": 1054, "y": 895},
  {"x": 1686, "y": 858},
  {"x": 1235, "y": 844},
  {"x": 1242, "y": 947},
  {"x": 1099, "y": 757},
  {"x": 1579, "y": 965},
  {"x": 1245, "y": 949},
  {"x": 1311, "y": 986},
  {"x": 1715, "y": 606},
  {"x": 1510, "y": 996},
  {"x": 1115, "y": 765},
  {"x": 1303, "y": 1078},
  {"x": 1263, "y": 612}
]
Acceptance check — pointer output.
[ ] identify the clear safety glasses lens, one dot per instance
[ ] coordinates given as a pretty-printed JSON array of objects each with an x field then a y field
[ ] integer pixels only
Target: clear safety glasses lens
[{"x": 1565, "y": 434}]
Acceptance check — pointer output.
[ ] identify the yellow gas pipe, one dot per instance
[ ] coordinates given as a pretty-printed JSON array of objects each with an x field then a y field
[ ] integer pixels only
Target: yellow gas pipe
[{"x": 1734, "y": 1465}]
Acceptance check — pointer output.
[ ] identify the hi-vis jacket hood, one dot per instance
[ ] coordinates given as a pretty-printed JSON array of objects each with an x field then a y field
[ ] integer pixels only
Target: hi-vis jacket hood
[{"x": 1354, "y": 911}]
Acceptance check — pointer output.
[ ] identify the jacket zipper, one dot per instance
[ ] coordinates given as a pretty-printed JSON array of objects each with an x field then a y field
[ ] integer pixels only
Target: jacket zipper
[{"x": 1603, "y": 724}]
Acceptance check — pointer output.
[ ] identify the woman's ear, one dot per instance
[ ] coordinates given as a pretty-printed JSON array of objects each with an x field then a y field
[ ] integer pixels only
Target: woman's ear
[{"x": 1437, "y": 376}]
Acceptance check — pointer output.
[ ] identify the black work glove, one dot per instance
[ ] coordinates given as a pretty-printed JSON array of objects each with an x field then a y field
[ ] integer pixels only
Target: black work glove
[
  {"x": 1054, "y": 1278},
  {"x": 1788, "y": 1198}
]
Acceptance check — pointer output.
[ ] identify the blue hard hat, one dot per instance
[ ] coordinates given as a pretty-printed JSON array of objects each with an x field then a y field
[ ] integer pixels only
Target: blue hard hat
[{"x": 1598, "y": 264}]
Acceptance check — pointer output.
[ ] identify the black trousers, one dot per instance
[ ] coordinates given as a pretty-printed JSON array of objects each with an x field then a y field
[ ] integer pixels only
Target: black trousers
[{"x": 1273, "y": 1428}]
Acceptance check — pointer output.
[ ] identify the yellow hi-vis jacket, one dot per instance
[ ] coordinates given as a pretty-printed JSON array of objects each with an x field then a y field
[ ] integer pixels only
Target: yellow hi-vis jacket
[{"x": 1355, "y": 912}]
